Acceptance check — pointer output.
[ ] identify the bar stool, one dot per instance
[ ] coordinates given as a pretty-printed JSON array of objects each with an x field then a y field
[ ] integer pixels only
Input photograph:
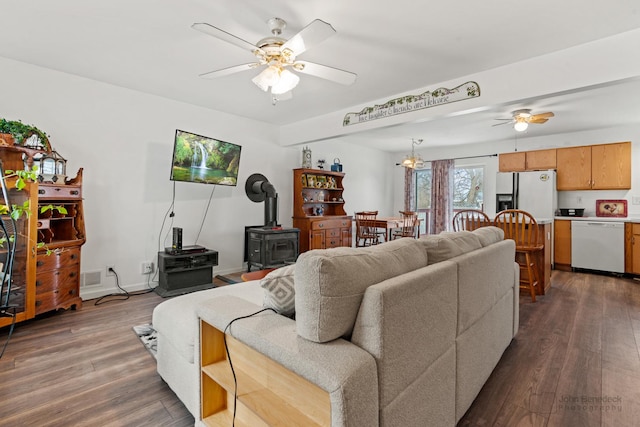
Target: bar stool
[{"x": 521, "y": 226}]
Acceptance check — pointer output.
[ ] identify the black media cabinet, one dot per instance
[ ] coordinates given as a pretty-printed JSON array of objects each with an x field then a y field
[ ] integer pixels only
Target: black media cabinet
[{"x": 182, "y": 273}]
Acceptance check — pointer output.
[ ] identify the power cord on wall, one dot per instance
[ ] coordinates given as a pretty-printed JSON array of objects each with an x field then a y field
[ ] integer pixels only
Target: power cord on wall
[
  {"x": 119, "y": 296},
  {"x": 233, "y": 372}
]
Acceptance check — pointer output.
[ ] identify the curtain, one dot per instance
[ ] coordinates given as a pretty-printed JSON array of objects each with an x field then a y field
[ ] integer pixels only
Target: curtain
[
  {"x": 409, "y": 189},
  {"x": 441, "y": 195}
]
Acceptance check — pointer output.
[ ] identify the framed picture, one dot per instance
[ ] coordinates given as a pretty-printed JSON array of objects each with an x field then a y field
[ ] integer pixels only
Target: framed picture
[
  {"x": 612, "y": 208},
  {"x": 303, "y": 177},
  {"x": 311, "y": 181},
  {"x": 321, "y": 181}
]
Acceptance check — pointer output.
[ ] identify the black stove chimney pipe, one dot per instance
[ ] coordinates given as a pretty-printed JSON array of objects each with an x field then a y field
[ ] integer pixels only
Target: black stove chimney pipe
[{"x": 259, "y": 189}]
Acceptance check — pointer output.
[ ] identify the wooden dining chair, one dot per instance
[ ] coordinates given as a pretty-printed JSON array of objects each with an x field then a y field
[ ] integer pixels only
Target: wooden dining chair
[
  {"x": 521, "y": 226},
  {"x": 367, "y": 233},
  {"x": 409, "y": 227},
  {"x": 470, "y": 219}
]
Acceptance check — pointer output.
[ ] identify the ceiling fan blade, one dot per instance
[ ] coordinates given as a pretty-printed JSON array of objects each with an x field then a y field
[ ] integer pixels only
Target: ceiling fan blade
[
  {"x": 325, "y": 72},
  {"x": 314, "y": 33},
  {"x": 537, "y": 120},
  {"x": 230, "y": 70},
  {"x": 208, "y": 29},
  {"x": 503, "y": 123},
  {"x": 540, "y": 118}
]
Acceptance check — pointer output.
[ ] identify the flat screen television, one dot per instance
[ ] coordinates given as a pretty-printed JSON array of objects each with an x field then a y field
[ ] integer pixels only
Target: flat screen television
[{"x": 205, "y": 160}]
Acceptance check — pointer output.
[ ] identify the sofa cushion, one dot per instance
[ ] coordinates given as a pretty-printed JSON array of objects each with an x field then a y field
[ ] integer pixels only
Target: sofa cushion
[
  {"x": 446, "y": 245},
  {"x": 330, "y": 283},
  {"x": 489, "y": 235},
  {"x": 279, "y": 290},
  {"x": 176, "y": 319}
]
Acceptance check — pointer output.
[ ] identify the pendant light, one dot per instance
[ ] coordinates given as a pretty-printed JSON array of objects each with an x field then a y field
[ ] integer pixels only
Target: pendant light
[{"x": 413, "y": 161}]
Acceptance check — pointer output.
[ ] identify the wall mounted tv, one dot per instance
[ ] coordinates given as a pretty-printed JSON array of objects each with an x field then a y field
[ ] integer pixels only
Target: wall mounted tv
[{"x": 198, "y": 158}]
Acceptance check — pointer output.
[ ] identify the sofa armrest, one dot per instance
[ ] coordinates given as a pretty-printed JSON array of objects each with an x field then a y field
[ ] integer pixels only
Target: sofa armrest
[{"x": 342, "y": 369}]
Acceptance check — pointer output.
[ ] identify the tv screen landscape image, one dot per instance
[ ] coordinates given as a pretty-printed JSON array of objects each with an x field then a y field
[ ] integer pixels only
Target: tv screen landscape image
[{"x": 205, "y": 160}]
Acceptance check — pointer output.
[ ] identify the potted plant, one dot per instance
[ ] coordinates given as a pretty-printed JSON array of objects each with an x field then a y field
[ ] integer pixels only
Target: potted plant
[
  {"x": 17, "y": 211},
  {"x": 14, "y": 132}
]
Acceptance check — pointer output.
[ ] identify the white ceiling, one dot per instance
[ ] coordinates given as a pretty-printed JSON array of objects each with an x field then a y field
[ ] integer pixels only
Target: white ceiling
[{"x": 394, "y": 47}]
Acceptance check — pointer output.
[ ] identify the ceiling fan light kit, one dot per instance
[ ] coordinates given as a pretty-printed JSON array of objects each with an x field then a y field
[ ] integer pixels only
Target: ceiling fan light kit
[
  {"x": 278, "y": 54},
  {"x": 523, "y": 117},
  {"x": 520, "y": 125}
]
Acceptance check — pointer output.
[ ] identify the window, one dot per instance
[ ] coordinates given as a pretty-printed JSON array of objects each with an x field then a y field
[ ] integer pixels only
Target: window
[{"x": 468, "y": 188}]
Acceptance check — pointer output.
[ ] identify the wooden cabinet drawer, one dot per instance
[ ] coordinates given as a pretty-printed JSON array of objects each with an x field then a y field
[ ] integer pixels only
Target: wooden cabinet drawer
[
  {"x": 333, "y": 242},
  {"x": 58, "y": 298},
  {"x": 64, "y": 258},
  {"x": 330, "y": 223},
  {"x": 62, "y": 192},
  {"x": 48, "y": 281}
]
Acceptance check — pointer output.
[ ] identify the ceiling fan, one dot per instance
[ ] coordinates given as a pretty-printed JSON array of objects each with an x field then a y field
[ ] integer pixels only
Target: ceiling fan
[
  {"x": 278, "y": 56},
  {"x": 522, "y": 118}
]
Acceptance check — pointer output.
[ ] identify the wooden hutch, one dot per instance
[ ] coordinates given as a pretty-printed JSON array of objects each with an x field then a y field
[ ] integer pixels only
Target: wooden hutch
[
  {"x": 318, "y": 209},
  {"x": 46, "y": 273}
]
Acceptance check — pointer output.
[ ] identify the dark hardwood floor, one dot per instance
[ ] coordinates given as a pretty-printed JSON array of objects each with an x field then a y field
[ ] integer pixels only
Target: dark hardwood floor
[{"x": 575, "y": 362}]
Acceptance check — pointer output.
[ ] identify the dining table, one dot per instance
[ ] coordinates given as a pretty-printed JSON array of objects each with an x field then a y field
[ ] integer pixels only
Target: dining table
[{"x": 389, "y": 223}]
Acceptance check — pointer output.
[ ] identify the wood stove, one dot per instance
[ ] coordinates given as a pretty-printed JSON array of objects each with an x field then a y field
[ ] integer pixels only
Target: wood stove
[{"x": 269, "y": 247}]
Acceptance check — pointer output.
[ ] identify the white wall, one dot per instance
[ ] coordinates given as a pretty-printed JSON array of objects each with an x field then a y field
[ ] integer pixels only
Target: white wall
[
  {"x": 123, "y": 139},
  {"x": 566, "y": 199},
  {"x": 368, "y": 183}
]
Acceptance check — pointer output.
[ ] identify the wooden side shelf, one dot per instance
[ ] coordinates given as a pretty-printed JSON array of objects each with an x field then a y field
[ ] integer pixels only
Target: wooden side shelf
[{"x": 268, "y": 393}]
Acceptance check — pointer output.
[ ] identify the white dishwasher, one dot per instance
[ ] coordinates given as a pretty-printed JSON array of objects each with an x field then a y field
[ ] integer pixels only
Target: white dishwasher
[{"x": 598, "y": 245}]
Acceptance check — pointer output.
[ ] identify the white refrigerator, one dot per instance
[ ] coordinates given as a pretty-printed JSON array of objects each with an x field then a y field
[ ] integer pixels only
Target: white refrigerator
[{"x": 534, "y": 192}]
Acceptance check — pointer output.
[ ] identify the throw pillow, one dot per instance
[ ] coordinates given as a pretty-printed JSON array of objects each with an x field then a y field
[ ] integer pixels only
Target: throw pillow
[{"x": 279, "y": 290}]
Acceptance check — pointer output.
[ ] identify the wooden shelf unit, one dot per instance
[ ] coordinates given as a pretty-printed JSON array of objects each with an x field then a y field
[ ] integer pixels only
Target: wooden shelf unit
[
  {"x": 44, "y": 282},
  {"x": 331, "y": 229},
  {"x": 58, "y": 273},
  {"x": 268, "y": 394}
]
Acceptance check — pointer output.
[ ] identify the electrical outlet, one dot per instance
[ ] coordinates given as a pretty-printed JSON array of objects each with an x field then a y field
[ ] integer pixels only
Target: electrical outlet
[
  {"x": 146, "y": 267},
  {"x": 635, "y": 200},
  {"x": 110, "y": 270}
]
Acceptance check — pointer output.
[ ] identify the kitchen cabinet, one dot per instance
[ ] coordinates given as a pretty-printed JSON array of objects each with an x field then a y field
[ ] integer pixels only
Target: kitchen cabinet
[
  {"x": 562, "y": 245},
  {"x": 527, "y": 161},
  {"x": 512, "y": 162},
  {"x": 540, "y": 160},
  {"x": 632, "y": 248},
  {"x": 594, "y": 167}
]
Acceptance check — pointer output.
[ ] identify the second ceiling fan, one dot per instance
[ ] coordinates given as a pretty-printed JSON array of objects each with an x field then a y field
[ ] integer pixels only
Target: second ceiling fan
[
  {"x": 279, "y": 55},
  {"x": 521, "y": 119}
]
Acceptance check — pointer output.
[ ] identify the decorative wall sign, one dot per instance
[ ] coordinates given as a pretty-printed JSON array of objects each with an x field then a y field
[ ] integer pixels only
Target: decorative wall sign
[
  {"x": 410, "y": 103},
  {"x": 614, "y": 208}
]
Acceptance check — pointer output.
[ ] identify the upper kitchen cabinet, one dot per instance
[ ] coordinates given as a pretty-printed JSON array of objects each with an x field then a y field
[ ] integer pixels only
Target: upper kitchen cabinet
[
  {"x": 512, "y": 162},
  {"x": 541, "y": 160},
  {"x": 594, "y": 167},
  {"x": 527, "y": 161}
]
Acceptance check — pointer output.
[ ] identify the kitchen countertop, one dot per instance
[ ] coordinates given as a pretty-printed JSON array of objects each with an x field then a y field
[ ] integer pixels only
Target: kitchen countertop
[{"x": 599, "y": 218}]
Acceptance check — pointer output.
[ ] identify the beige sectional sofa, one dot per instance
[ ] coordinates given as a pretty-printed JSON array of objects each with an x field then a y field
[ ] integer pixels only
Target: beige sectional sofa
[{"x": 404, "y": 333}]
